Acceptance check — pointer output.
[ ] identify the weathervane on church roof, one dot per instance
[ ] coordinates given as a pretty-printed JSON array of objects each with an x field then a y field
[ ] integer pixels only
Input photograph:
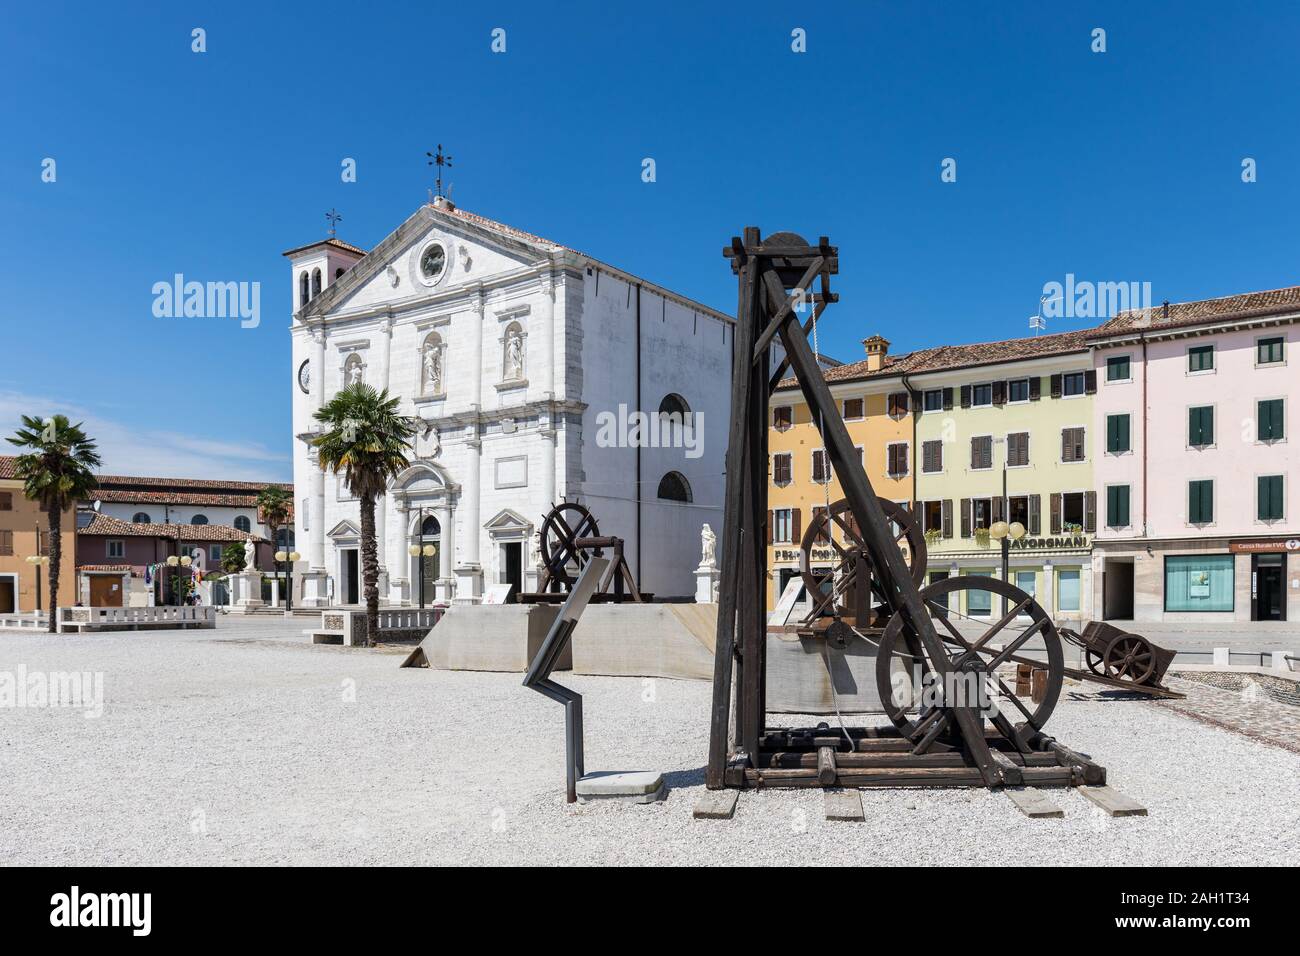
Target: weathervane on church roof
[
  {"x": 439, "y": 160},
  {"x": 334, "y": 219}
]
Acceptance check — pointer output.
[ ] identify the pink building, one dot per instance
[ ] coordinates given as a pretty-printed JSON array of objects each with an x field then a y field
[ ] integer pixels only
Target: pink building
[{"x": 1194, "y": 412}]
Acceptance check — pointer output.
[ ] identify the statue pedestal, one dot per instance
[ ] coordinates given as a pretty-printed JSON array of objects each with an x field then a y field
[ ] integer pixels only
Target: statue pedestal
[
  {"x": 706, "y": 583},
  {"x": 315, "y": 588},
  {"x": 247, "y": 593},
  {"x": 469, "y": 584}
]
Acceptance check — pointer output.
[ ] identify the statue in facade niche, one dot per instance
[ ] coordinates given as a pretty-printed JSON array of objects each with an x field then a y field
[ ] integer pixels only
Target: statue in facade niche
[
  {"x": 432, "y": 370},
  {"x": 354, "y": 374},
  {"x": 708, "y": 546},
  {"x": 515, "y": 355}
]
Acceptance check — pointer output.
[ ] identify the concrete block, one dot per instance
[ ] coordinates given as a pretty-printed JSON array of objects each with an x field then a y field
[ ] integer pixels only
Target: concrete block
[
  {"x": 487, "y": 637},
  {"x": 844, "y": 805},
  {"x": 1222, "y": 656},
  {"x": 627, "y": 786},
  {"x": 799, "y": 680},
  {"x": 716, "y": 805},
  {"x": 646, "y": 640}
]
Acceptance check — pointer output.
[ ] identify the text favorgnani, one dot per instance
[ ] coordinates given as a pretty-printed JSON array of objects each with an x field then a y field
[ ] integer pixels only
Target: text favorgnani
[
  {"x": 21, "y": 688},
  {"x": 102, "y": 909}
]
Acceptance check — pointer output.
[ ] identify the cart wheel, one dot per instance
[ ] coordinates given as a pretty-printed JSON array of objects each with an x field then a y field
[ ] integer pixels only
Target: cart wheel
[
  {"x": 1093, "y": 660},
  {"x": 563, "y": 525},
  {"x": 1129, "y": 657},
  {"x": 1035, "y": 642}
]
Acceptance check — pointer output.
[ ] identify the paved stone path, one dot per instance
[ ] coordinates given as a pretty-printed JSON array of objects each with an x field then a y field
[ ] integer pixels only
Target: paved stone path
[{"x": 1248, "y": 712}]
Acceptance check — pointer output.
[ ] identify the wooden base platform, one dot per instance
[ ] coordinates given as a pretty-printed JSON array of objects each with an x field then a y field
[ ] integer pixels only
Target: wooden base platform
[
  {"x": 1151, "y": 690},
  {"x": 881, "y": 757}
]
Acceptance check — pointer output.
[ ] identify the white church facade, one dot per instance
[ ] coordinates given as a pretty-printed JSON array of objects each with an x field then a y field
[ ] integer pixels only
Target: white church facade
[{"x": 523, "y": 360}]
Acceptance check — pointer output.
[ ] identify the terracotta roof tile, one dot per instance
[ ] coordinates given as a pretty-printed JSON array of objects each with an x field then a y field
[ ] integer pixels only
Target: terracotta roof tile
[
  {"x": 117, "y": 528},
  {"x": 337, "y": 243},
  {"x": 1246, "y": 305},
  {"x": 947, "y": 357},
  {"x": 7, "y": 466}
]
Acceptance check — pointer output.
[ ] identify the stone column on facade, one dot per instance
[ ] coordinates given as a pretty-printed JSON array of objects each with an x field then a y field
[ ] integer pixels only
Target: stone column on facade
[
  {"x": 385, "y": 354},
  {"x": 398, "y": 540},
  {"x": 446, "y": 584},
  {"x": 469, "y": 572}
]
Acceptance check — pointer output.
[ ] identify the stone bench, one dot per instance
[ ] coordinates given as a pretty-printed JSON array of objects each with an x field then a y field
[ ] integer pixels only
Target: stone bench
[
  {"x": 348, "y": 627},
  {"x": 88, "y": 619}
]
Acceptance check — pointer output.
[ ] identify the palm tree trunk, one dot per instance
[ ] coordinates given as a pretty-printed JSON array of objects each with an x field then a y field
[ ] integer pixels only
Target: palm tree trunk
[
  {"x": 369, "y": 568},
  {"x": 56, "y": 555}
]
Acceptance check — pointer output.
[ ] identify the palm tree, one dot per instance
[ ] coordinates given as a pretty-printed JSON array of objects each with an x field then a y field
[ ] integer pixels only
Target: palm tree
[
  {"x": 273, "y": 503},
  {"x": 366, "y": 439},
  {"x": 57, "y": 471}
]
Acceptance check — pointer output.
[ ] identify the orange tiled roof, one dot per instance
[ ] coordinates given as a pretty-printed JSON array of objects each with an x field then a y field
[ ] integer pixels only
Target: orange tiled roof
[
  {"x": 1246, "y": 305},
  {"x": 337, "y": 243},
  {"x": 117, "y": 528}
]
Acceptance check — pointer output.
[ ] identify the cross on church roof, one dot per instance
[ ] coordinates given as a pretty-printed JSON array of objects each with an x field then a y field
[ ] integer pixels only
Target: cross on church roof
[
  {"x": 439, "y": 160},
  {"x": 334, "y": 219}
]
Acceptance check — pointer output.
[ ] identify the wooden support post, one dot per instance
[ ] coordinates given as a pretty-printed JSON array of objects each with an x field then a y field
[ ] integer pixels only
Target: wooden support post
[{"x": 826, "y": 770}]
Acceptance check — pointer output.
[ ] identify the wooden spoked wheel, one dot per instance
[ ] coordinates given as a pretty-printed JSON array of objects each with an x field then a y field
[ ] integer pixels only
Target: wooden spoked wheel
[
  {"x": 836, "y": 529},
  {"x": 1094, "y": 662},
  {"x": 921, "y": 706},
  {"x": 1129, "y": 657},
  {"x": 562, "y": 558}
]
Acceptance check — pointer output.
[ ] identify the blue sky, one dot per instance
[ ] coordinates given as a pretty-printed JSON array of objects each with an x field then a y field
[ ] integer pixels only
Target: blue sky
[{"x": 1118, "y": 166}]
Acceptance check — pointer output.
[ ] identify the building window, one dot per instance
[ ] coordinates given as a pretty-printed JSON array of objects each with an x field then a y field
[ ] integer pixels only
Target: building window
[
  {"x": 116, "y": 549},
  {"x": 674, "y": 405},
  {"x": 979, "y": 603},
  {"x": 1117, "y": 499},
  {"x": 933, "y": 400},
  {"x": 1200, "y": 426},
  {"x": 981, "y": 452},
  {"x": 1119, "y": 368},
  {"x": 141, "y": 517},
  {"x": 214, "y": 554},
  {"x": 1018, "y": 510},
  {"x": 243, "y": 524},
  {"x": 896, "y": 455},
  {"x": 981, "y": 513},
  {"x": 1200, "y": 358},
  {"x": 932, "y": 457},
  {"x": 783, "y": 468},
  {"x": 432, "y": 262},
  {"x": 821, "y": 466},
  {"x": 1269, "y": 415},
  {"x": 932, "y": 514},
  {"x": 981, "y": 395},
  {"x": 304, "y": 291},
  {"x": 782, "y": 417},
  {"x": 1017, "y": 449},
  {"x": 1074, "y": 513},
  {"x": 1018, "y": 390},
  {"x": 1270, "y": 351},
  {"x": 6, "y": 501},
  {"x": 781, "y": 526},
  {"x": 1270, "y": 506},
  {"x": 199, "y": 519},
  {"x": 1073, "y": 444},
  {"x": 674, "y": 487},
  {"x": 1200, "y": 501},
  {"x": 898, "y": 404},
  {"x": 1067, "y": 590},
  {"x": 1073, "y": 383},
  {"x": 315, "y": 283},
  {"x": 1117, "y": 433},
  {"x": 338, "y": 273},
  {"x": 1198, "y": 582},
  {"x": 852, "y": 408},
  {"x": 6, "y": 543}
]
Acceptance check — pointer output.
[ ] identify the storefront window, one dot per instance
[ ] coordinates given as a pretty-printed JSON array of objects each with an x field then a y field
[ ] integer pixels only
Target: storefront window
[
  {"x": 1067, "y": 590},
  {"x": 1198, "y": 582},
  {"x": 979, "y": 603}
]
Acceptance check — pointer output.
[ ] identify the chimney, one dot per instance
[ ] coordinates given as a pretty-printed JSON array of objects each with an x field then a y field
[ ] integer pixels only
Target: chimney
[{"x": 877, "y": 348}]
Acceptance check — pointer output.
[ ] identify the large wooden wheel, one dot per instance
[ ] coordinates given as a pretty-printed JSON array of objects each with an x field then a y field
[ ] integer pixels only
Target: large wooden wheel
[
  {"x": 1129, "y": 657},
  {"x": 976, "y": 650},
  {"x": 561, "y": 557},
  {"x": 838, "y": 521}
]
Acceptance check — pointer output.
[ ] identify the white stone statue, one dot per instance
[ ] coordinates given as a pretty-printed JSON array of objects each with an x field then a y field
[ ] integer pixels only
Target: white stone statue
[
  {"x": 354, "y": 374},
  {"x": 515, "y": 355},
  {"x": 708, "y": 543},
  {"x": 432, "y": 370},
  {"x": 250, "y": 554}
]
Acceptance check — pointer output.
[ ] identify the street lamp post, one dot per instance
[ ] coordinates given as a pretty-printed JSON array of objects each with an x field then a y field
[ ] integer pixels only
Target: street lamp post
[
  {"x": 178, "y": 561},
  {"x": 1005, "y": 533},
  {"x": 290, "y": 557}
]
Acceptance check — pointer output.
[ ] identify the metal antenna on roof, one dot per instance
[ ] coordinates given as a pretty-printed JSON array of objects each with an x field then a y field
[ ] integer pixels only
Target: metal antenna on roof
[
  {"x": 334, "y": 219},
  {"x": 439, "y": 160},
  {"x": 1037, "y": 322}
]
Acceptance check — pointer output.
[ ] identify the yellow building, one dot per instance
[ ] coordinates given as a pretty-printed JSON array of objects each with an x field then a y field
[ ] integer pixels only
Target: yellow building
[
  {"x": 872, "y": 395},
  {"x": 24, "y": 532}
]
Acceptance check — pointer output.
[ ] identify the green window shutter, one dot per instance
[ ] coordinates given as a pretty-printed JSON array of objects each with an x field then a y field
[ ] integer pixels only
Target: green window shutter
[
  {"x": 1270, "y": 505},
  {"x": 1200, "y": 502},
  {"x": 1117, "y": 497},
  {"x": 1124, "y": 421},
  {"x": 1200, "y": 426},
  {"x": 1270, "y": 427}
]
